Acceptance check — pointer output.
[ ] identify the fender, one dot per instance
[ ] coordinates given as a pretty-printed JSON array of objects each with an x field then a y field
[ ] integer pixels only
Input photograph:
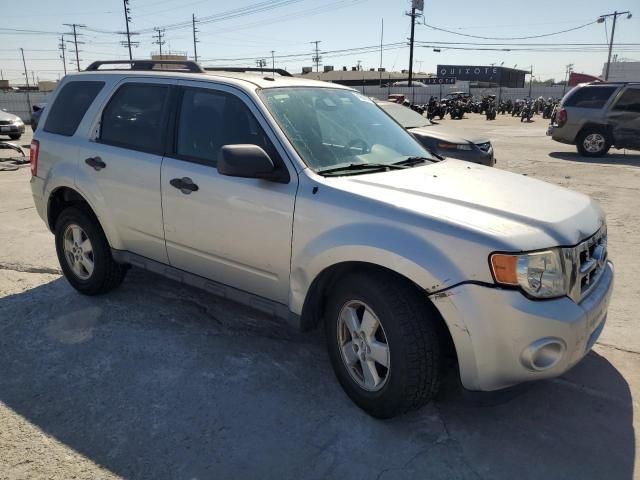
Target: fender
[{"x": 410, "y": 255}]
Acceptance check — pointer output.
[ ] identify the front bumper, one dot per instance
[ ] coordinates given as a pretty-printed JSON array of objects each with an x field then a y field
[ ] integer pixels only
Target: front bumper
[
  {"x": 12, "y": 129},
  {"x": 496, "y": 331}
]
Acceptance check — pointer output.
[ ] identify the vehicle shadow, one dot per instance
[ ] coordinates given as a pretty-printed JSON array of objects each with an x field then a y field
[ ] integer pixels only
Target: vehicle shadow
[
  {"x": 612, "y": 158},
  {"x": 158, "y": 380}
]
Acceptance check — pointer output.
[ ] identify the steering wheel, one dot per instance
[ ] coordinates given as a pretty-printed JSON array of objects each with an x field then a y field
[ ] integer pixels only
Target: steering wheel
[{"x": 358, "y": 142}]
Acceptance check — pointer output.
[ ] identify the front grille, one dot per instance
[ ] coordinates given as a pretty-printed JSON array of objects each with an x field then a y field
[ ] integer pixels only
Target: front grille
[
  {"x": 590, "y": 261},
  {"x": 5, "y": 122},
  {"x": 485, "y": 147}
]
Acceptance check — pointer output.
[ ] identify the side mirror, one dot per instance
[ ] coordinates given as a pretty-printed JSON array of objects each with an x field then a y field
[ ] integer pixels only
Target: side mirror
[{"x": 248, "y": 161}]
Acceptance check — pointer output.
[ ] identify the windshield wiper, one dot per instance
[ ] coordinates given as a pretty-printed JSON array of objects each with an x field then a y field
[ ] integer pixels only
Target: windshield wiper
[
  {"x": 411, "y": 161},
  {"x": 361, "y": 166}
]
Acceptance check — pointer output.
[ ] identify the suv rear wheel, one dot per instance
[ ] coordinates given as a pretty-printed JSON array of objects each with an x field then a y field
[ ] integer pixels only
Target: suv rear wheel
[
  {"x": 84, "y": 253},
  {"x": 592, "y": 142},
  {"x": 383, "y": 343}
]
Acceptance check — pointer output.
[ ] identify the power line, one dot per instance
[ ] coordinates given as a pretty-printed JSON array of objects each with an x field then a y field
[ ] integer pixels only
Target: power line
[
  {"x": 75, "y": 34},
  {"x": 509, "y": 38},
  {"x": 63, "y": 47},
  {"x": 316, "y": 56},
  {"x": 195, "y": 40},
  {"x": 159, "y": 41}
]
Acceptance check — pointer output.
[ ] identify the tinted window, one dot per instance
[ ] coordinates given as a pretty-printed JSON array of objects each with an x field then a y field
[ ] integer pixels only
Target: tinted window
[
  {"x": 629, "y": 101},
  {"x": 209, "y": 120},
  {"x": 133, "y": 118},
  {"x": 70, "y": 106},
  {"x": 590, "y": 97}
]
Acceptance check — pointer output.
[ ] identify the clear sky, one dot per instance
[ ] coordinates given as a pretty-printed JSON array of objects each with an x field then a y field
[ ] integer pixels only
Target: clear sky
[{"x": 240, "y": 34}]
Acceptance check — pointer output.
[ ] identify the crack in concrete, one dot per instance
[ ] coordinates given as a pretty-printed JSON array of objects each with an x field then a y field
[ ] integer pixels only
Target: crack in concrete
[
  {"x": 620, "y": 349},
  {"x": 17, "y": 267}
]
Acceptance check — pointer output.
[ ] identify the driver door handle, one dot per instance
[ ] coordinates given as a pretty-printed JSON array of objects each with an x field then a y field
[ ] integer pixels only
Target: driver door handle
[
  {"x": 184, "y": 184},
  {"x": 96, "y": 163}
]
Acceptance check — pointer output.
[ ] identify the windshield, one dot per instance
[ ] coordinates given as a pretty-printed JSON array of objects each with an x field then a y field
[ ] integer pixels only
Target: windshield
[
  {"x": 332, "y": 127},
  {"x": 404, "y": 115}
]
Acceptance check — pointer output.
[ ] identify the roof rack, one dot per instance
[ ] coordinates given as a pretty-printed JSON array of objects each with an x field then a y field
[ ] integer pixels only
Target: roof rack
[
  {"x": 146, "y": 65},
  {"x": 279, "y": 71}
]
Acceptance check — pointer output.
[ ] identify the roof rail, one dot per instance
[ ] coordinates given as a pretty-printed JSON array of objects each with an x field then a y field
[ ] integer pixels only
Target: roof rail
[
  {"x": 279, "y": 71},
  {"x": 187, "y": 65}
]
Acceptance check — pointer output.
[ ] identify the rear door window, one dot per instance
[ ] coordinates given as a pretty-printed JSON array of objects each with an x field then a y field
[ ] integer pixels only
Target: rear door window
[
  {"x": 70, "y": 106},
  {"x": 590, "y": 97},
  {"x": 629, "y": 101},
  {"x": 134, "y": 118}
]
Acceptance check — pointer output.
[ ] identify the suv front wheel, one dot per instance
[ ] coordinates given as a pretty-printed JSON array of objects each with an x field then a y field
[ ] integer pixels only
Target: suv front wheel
[
  {"x": 384, "y": 344},
  {"x": 593, "y": 142},
  {"x": 84, "y": 253}
]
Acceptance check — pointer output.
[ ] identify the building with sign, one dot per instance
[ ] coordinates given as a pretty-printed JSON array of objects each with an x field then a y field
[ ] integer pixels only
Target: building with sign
[
  {"x": 355, "y": 77},
  {"x": 484, "y": 76}
]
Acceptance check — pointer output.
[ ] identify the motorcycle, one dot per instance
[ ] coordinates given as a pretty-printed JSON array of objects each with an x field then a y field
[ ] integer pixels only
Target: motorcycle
[
  {"x": 456, "y": 110},
  {"x": 490, "y": 109},
  {"x": 527, "y": 112}
]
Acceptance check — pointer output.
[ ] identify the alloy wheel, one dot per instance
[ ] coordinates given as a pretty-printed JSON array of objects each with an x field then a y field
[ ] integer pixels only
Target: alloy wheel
[
  {"x": 594, "y": 142},
  {"x": 78, "y": 251},
  {"x": 363, "y": 345}
]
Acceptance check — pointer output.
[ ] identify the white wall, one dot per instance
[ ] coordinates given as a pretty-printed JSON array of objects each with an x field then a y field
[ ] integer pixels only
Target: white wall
[{"x": 16, "y": 102}]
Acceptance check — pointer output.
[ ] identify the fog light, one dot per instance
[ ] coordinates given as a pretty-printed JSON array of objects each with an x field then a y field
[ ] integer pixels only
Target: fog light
[{"x": 543, "y": 354}]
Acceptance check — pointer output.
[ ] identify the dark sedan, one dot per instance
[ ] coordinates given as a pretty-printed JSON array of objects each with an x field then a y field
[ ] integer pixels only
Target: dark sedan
[{"x": 443, "y": 143}]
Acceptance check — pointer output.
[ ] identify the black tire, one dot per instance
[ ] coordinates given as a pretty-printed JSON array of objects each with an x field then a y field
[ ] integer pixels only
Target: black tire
[
  {"x": 107, "y": 274},
  {"x": 581, "y": 141},
  {"x": 15, "y": 137},
  {"x": 413, "y": 336}
]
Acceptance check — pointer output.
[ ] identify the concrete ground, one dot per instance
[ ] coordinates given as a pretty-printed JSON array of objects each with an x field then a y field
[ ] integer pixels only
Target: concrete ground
[{"x": 162, "y": 381}]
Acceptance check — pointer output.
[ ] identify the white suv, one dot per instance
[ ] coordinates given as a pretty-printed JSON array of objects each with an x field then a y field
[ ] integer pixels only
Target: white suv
[{"x": 305, "y": 200}]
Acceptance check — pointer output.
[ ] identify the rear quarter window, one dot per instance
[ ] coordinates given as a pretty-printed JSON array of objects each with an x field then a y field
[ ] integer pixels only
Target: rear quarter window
[
  {"x": 70, "y": 106},
  {"x": 590, "y": 97}
]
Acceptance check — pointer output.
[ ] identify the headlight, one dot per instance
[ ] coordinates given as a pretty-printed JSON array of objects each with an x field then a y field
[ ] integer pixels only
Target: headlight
[
  {"x": 539, "y": 274},
  {"x": 18, "y": 122},
  {"x": 454, "y": 146}
]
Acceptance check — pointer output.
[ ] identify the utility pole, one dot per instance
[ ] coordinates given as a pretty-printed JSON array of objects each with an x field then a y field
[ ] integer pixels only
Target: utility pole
[
  {"x": 601, "y": 19},
  {"x": 26, "y": 76},
  {"x": 63, "y": 47},
  {"x": 160, "y": 41},
  {"x": 316, "y": 57},
  {"x": 566, "y": 77},
  {"x": 127, "y": 19},
  {"x": 413, "y": 28},
  {"x": 261, "y": 63},
  {"x": 195, "y": 40},
  {"x": 75, "y": 34},
  {"x": 273, "y": 62},
  {"x": 381, "y": 38}
]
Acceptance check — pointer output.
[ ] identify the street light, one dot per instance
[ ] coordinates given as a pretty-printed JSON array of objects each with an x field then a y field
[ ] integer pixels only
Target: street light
[{"x": 601, "y": 19}]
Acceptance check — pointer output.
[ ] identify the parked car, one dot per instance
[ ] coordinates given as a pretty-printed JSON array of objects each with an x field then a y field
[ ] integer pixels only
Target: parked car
[
  {"x": 36, "y": 113},
  {"x": 11, "y": 125},
  {"x": 597, "y": 116},
  {"x": 303, "y": 199},
  {"x": 436, "y": 140}
]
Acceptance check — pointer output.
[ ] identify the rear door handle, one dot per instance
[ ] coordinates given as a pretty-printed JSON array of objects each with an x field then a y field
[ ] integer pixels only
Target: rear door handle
[
  {"x": 184, "y": 184},
  {"x": 96, "y": 163}
]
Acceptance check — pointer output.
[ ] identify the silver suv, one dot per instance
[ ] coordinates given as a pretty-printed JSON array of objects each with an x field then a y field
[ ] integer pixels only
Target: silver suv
[
  {"x": 597, "y": 116},
  {"x": 308, "y": 202}
]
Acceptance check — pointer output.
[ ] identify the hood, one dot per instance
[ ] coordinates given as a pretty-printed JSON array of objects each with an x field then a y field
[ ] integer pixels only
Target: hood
[
  {"x": 446, "y": 136},
  {"x": 516, "y": 212},
  {"x": 7, "y": 116}
]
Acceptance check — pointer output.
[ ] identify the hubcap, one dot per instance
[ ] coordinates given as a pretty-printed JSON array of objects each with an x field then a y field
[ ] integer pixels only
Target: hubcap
[
  {"x": 78, "y": 251},
  {"x": 594, "y": 142},
  {"x": 363, "y": 346}
]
